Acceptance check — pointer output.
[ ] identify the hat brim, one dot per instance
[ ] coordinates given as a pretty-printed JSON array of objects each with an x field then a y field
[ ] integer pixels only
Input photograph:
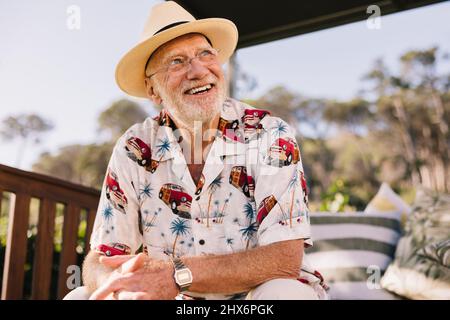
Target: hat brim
[{"x": 130, "y": 73}]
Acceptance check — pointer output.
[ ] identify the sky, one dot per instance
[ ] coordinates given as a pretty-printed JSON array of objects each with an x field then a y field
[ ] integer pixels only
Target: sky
[{"x": 66, "y": 74}]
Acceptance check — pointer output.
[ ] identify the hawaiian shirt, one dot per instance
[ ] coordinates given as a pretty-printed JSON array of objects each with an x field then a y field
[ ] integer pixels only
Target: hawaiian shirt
[{"x": 252, "y": 191}]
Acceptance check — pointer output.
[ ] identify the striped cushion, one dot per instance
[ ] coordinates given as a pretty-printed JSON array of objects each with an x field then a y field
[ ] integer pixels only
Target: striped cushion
[{"x": 352, "y": 250}]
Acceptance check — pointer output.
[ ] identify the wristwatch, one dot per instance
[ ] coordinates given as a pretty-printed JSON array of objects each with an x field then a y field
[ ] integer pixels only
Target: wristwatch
[{"x": 182, "y": 275}]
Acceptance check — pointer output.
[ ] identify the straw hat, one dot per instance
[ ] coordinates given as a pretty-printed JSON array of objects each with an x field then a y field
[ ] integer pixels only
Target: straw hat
[{"x": 167, "y": 21}]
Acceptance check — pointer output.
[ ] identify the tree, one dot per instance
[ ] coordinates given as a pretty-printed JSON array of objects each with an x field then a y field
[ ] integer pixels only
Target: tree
[
  {"x": 87, "y": 164},
  {"x": 304, "y": 114},
  {"x": 25, "y": 127},
  {"x": 82, "y": 164},
  {"x": 121, "y": 115},
  {"x": 415, "y": 106}
]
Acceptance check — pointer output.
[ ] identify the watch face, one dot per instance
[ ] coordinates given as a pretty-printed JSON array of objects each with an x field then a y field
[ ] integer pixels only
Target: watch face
[{"x": 183, "y": 277}]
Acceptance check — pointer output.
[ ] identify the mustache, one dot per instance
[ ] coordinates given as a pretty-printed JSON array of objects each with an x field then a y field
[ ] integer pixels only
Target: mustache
[{"x": 189, "y": 84}]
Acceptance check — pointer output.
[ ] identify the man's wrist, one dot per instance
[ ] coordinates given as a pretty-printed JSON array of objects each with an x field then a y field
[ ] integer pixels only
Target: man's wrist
[
  {"x": 171, "y": 271},
  {"x": 182, "y": 275}
]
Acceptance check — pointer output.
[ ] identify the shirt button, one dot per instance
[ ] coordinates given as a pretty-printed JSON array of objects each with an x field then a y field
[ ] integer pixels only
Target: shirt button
[{"x": 201, "y": 241}]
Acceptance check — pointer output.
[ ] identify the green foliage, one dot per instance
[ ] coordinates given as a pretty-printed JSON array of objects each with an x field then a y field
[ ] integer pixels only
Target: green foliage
[
  {"x": 336, "y": 198},
  {"x": 86, "y": 164},
  {"x": 395, "y": 130},
  {"x": 121, "y": 115},
  {"x": 82, "y": 164}
]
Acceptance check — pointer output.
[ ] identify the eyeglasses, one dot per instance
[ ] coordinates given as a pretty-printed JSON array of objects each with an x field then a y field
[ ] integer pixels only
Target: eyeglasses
[{"x": 180, "y": 63}]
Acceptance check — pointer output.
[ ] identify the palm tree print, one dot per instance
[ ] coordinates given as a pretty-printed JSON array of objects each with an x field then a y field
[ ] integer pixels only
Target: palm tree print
[
  {"x": 146, "y": 191},
  {"x": 292, "y": 184},
  {"x": 279, "y": 128},
  {"x": 248, "y": 232},
  {"x": 215, "y": 184},
  {"x": 107, "y": 212},
  {"x": 144, "y": 222},
  {"x": 216, "y": 212},
  {"x": 163, "y": 147},
  {"x": 229, "y": 242},
  {"x": 161, "y": 150},
  {"x": 225, "y": 203},
  {"x": 249, "y": 211},
  {"x": 178, "y": 227},
  {"x": 151, "y": 223}
]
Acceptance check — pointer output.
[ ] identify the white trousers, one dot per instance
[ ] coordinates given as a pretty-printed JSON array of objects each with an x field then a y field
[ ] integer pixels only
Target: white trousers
[{"x": 276, "y": 289}]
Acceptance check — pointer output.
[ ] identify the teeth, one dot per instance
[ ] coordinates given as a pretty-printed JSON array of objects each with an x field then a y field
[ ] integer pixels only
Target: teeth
[{"x": 195, "y": 90}]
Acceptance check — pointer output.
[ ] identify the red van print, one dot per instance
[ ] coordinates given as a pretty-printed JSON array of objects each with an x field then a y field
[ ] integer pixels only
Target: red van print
[
  {"x": 114, "y": 193},
  {"x": 141, "y": 152},
  {"x": 252, "y": 117},
  {"x": 177, "y": 199},
  {"x": 304, "y": 187},
  {"x": 113, "y": 249},
  {"x": 229, "y": 130},
  {"x": 240, "y": 179},
  {"x": 264, "y": 208},
  {"x": 285, "y": 151}
]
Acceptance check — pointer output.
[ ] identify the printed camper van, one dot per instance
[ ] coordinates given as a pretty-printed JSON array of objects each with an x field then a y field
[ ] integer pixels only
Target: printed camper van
[
  {"x": 140, "y": 152},
  {"x": 177, "y": 199},
  {"x": 240, "y": 179},
  {"x": 114, "y": 193},
  {"x": 264, "y": 208},
  {"x": 284, "y": 151},
  {"x": 229, "y": 130}
]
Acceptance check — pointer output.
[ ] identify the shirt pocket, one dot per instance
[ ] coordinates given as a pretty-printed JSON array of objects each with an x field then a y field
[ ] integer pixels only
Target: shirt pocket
[{"x": 211, "y": 239}]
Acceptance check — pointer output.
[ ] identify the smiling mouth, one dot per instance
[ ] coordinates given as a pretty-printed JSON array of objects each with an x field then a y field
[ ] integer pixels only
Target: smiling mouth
[{"x": 200, "y": 90}]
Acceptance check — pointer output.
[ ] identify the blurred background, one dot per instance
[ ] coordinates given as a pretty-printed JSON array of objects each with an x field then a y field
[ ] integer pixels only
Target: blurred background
[{"x": 370, "y": 105}]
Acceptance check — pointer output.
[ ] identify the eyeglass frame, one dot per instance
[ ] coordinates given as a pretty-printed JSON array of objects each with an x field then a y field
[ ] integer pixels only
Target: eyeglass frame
[{"x": 188, "y": 61}]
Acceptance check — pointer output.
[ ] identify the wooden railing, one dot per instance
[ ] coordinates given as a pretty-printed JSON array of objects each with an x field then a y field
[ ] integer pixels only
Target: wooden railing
[{"x": 50, "y": 191}]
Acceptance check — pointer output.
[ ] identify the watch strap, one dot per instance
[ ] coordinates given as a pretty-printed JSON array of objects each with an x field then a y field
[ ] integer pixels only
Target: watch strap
[{"x": 179, "y": 266}]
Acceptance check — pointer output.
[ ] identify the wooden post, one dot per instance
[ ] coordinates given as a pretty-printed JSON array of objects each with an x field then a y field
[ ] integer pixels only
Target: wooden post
[
  {"x": 16, "y": 247},
  {"x": 69, "y": 244},
  {"x": 23, "y": 186},
  {"x": 43, "y": 259},
  {"x": 90, "y": 219}
]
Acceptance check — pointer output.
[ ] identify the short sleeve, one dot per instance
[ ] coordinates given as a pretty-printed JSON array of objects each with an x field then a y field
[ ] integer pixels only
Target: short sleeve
[
  {"x": 116, "y": 224},
  {"x": 280, "y": 187}
]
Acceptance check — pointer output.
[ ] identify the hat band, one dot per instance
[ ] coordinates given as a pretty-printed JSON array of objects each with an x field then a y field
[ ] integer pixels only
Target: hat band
[{"x": 170, "y": 26}]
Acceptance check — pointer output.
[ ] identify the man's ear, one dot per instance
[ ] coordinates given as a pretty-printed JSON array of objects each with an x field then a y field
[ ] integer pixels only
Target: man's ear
[{"x": 152, "y": 94}]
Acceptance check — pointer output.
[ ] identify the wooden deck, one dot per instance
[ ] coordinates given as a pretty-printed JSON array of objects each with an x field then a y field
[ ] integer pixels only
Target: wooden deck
[{"x": 49, "y": 191}]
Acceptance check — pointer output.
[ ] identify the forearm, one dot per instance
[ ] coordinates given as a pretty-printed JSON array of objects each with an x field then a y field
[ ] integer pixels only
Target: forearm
[
  {"x": 242, "y": 271},
  {"x": 94, "y": 272}
]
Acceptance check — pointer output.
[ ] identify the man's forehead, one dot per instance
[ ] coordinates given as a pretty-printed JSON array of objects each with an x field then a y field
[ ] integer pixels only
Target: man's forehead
[{"x": 179, "y": 44}]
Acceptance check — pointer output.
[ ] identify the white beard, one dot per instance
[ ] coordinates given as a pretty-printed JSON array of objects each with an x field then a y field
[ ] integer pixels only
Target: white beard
[{"x": 186, "y": 114}]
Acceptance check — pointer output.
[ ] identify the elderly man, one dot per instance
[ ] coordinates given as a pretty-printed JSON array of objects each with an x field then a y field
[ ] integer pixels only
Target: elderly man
[{"x": 212, "y": 189}]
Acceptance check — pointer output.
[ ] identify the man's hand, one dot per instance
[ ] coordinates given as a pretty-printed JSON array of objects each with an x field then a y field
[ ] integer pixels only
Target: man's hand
[
  {"x": 138, "y": 277},
  {"x": 116, "y": 262}
]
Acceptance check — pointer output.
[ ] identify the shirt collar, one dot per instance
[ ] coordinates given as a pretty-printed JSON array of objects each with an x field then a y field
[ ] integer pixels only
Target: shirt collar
[{"x": 228, "y": 142}]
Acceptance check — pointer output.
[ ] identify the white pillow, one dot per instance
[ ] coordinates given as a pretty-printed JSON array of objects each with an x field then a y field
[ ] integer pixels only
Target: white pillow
[{"x": 387, "y": 200}]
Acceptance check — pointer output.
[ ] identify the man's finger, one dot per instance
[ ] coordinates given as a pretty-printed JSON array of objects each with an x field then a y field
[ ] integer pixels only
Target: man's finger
[
  {"x": 115, "y": 261},
  {"x": 126, "y": 295},
  {"x": 134, "y": 264},
  {"x": 108, "y": 288}
]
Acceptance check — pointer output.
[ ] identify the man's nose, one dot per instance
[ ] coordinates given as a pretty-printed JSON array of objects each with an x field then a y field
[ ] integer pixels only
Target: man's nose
[{"x": 196, "y": 70}]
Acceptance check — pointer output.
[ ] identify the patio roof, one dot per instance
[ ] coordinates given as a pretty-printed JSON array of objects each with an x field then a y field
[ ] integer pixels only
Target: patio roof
[{"x": 263, "y": 21}]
